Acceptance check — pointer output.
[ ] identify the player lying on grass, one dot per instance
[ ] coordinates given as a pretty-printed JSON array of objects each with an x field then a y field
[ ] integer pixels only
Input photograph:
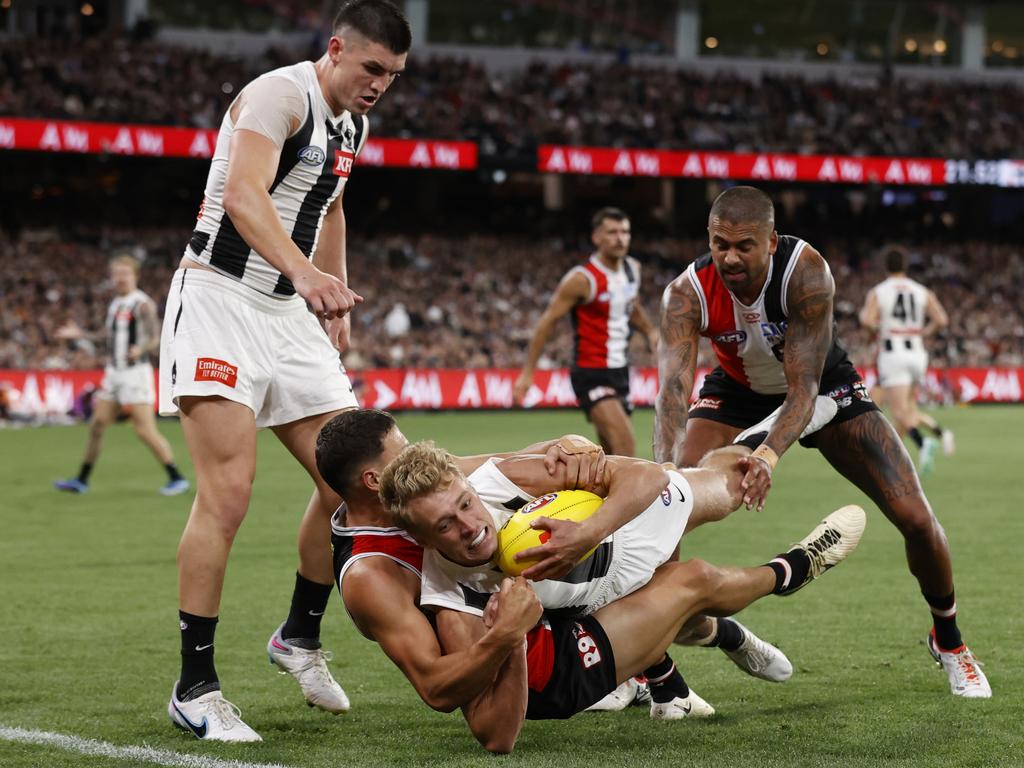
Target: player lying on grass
[
  {"x": 378, "y": 566},
  {"x": 622, "y": 621}
]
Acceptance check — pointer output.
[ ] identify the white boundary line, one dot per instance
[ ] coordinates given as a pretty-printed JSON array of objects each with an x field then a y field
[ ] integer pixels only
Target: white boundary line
[{"x": 105, "y": 749}]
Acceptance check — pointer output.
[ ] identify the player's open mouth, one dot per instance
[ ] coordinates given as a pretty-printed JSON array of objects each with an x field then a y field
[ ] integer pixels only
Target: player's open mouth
[
  {"x": 478, "y": 539},
  {"x": 368, "y": 100}
]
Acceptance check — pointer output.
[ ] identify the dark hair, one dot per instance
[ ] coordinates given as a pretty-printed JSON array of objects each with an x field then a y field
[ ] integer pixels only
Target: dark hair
[
  {"x": 348, "y": 442},
  {"x": 744, "y": 205},
  {"x": 895, "y": 260},
  {"x": 378, "y": 21},
  {"x": 615, "y": 214}
]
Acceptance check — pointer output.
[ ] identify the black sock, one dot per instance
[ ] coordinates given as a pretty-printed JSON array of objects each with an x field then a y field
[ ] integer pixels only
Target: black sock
[
  {"x": 915, "y": 435},
  {"x": 947, "y": 633},
  {"x": 84, "y": 472},
  {"x": 790, "y": 570},
  {"x": 198, "y": 675},
  {"x": 309, "y": 601},
  {"x": 936, "y": 430},
  {"x": 666, "y": 682},
  {"x": 753, "y": 441},
  {"x": 172, "y": 471},
  {"x": 728, "y": 636}
]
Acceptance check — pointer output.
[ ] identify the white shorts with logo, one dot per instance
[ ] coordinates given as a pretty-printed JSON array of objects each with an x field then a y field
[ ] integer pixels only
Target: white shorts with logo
[
  {"x": 646, "y": 542},
  {"x": 128, "y": 386},
  {"x": 902, "y": 367},
  {"x": 223, "y": 339}
]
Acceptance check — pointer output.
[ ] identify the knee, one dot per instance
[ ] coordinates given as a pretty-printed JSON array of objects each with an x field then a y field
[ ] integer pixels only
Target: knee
[
  {"x": 96, "y": 428},
  {"x": 225, "y": 504},
  {"x": 699, "y": 576},
  {"x": 916, "y": 521}
]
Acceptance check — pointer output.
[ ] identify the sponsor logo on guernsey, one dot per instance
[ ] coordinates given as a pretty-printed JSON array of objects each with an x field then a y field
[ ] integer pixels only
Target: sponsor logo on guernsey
[
  {"x": 731, "y": 337},
  {"x": 211, "y": 369},
  {"x": 751, "y": 317},
  {"x": 312, "y": 155},
  {"x": 343, "y": 163},
  {"x": 774, "y": 332}
]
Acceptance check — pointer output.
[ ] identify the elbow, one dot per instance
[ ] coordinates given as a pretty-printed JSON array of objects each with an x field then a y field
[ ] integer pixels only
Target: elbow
[
  {"x": 438, "y": 702},
  {"x": 497, "y": 741},
  {"x": 234, "y": 199}
]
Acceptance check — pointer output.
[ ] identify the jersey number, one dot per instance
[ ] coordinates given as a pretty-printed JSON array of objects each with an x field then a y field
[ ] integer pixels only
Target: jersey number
[{"x": 905, "y": 308}]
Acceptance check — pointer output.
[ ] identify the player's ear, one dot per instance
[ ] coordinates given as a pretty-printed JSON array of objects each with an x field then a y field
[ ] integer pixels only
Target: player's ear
[
  {"x": 773, "y": 241},
  {"x": 371, "y": 479}
]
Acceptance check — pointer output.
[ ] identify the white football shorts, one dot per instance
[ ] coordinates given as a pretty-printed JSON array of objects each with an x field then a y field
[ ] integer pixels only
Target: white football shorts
[
  {"x": 128, "y": 386},
  {"x": 223, "y": 339},
  {"x": 902, "y": 367}
]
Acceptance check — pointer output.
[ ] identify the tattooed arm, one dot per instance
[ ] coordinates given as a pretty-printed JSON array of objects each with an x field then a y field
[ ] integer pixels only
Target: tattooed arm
[
  {"x": 677, "y": 363},
  {"x": 808, "y": 338}
]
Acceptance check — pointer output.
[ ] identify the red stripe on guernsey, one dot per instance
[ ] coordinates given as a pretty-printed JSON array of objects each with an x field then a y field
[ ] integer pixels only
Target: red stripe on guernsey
[
  {"x": 592, "y": 324},
  {"x": 540, "y": 657},
  {"x": 398, "y": 547},
  {"x": 720, "y": 321}
]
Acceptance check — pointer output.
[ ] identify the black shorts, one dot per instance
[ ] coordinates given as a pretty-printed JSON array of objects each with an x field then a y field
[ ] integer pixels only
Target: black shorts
[
  {"x": 573, "y": 666},
  {"x": 592, "y": 385},
  {"x": 725, "y": 400}
]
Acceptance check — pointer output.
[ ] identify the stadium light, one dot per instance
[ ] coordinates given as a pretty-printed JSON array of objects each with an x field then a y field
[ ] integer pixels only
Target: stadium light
[
  {"x": 822, "y": 49},
  {"x": 910, "y": 45},
  {"x": 87, "y": 9},
  {"x": 940, "y": 46},
  {"x": 711, "y": 42}
]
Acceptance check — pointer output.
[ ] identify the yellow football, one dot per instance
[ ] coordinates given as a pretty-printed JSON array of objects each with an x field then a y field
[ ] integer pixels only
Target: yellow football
[{"x": 516, "y": 534}]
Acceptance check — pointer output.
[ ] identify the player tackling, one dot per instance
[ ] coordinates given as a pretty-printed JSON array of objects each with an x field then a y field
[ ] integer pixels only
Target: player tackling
[{"x": 765, "y": 302}]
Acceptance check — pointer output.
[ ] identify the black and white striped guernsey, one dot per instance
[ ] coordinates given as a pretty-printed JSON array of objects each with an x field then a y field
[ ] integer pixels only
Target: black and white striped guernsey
[
  {"x": 312, "y": 171},
  {"x": 124, "y": 330}
]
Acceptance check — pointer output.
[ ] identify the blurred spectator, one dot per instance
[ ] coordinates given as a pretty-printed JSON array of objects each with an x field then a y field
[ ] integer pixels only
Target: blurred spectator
[
  {"x": 443, "y": 302},
  {"x": 510, "y": 113}
]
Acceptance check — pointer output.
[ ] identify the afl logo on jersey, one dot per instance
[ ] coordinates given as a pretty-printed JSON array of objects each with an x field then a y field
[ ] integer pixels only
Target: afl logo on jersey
[
  {"x": 731, "y": 337},
  {"x": 312, "y": 155}
]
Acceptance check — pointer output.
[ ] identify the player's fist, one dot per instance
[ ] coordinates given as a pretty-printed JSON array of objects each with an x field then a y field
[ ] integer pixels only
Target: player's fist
[
  {"x": 327, "y": 296},
  {"x": 518, "y": 608}
]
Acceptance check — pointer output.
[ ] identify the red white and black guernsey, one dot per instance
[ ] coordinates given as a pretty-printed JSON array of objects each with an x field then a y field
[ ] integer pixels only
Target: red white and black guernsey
[
  {"x": 569, "y": 660},
  {"x": 749, "y": 341},
  {"x": 601, "y": 323}
]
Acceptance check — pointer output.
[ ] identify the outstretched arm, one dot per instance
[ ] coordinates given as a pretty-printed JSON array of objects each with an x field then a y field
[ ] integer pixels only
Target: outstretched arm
[
  {"x": 677, "y": 365},
  {"x": 808, "y": 338},
  {"x": 384, "y": 607},
  {"x": 573, "y": 289}
]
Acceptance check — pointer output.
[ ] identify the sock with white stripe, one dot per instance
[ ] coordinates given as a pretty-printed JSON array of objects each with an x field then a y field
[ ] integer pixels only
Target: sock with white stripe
[
  {"x": 666, "y": 682},
  {"x": 947, "y": 633},
  {"x": 790, "y": 569}
]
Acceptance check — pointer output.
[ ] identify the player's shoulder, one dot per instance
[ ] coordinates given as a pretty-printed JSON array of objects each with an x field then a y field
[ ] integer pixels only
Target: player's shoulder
[{"x": 374, "y": 578}]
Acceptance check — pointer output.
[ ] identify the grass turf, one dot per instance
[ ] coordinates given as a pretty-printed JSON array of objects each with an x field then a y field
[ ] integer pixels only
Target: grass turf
[{"x": 88, "y": 598}]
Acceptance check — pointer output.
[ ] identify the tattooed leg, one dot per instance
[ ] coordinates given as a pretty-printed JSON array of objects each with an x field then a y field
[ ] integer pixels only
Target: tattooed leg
[{"x": 867, "y": 451}]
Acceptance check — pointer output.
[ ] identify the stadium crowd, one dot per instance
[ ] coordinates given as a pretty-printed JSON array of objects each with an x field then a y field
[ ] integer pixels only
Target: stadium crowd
[
  {"x": 509, "y": 113},
  {"x": 441, "y": 302}
]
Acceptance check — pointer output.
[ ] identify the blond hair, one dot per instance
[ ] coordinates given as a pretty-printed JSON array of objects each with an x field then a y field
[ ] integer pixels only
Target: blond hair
[
  {"x": 124, "y": 257},
  {"x": 419, "y": 470}
]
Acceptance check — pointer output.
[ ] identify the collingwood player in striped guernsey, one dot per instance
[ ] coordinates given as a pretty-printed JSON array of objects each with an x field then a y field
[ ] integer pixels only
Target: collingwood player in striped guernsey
[
  {"x": 256, "y": 316},
  {"x": 131, "y": 336}
]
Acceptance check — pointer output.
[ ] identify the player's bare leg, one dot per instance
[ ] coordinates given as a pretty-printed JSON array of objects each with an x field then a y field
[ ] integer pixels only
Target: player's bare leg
[
  {"x": 614, "y": 429},
  {"x": 103, "y": 415},
  {"x": 867, "y": 451},
  {"x": 704, "y": 435},
  {"x": 295, "y": 646},
  {"x": 221, "y": 437},
  {"x": 144, "y": 421}
]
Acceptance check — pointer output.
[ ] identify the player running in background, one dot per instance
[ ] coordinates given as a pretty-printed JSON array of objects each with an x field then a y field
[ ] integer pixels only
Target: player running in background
[
  {"x": 765, "y": 302},
  {"x": 243, "y": 347},
  {"x": 132, "y": 334},
  {"x": 602, "y": 297},
  {"x": 904, "y": 313}
]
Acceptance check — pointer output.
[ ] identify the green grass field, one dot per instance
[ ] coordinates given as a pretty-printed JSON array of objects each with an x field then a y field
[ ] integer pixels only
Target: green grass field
[{"x": 88, "y": 604}]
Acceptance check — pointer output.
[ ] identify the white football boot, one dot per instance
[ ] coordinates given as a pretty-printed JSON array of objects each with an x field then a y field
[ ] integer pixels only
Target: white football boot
[
  {"x": 630, "y": 693},
  {"x": 210, "y": 716},
  {"x": 926, "y": 456},
  {"x": 759, "y": 658},
  {"x": 679, "y": 708},
  {"x": 831, "y": 541},
  {"x": 309, "y": 668},
  {"x": 963, "y": 670},
  {"x": 948, "y": 442}
]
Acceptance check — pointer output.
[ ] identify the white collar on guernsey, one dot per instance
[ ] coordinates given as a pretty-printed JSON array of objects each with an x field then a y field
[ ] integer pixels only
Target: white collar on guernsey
[{"x": 595, "y": 259}]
